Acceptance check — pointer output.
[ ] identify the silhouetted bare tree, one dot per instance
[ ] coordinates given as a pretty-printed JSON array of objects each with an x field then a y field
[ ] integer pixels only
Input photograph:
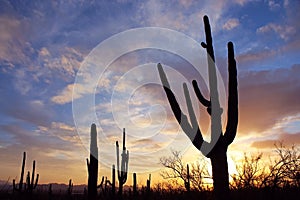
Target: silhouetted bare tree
[
  {"x": 250, "y": 172},
  {"x": 285, "y": 169},
  {"x": 281, "y": 171},
  {"x": 178, "y": 170}
]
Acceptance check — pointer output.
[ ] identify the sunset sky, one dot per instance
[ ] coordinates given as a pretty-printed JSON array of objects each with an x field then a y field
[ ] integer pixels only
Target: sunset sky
[{"x": 43, "y": 44}]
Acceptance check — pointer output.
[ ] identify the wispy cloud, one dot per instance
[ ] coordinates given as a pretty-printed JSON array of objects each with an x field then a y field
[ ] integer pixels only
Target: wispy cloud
[
  {"x": 284, "y": 32},
  {"x": 231, "y": 24}
]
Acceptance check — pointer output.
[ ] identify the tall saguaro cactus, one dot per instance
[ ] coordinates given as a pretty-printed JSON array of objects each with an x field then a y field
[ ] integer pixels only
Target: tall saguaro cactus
[
  {"x": 216, "y": 149},
  {"x": 22, "y": 175},
  {"x": 122, "y": 174},
  {"x": 92, "y": 165}
]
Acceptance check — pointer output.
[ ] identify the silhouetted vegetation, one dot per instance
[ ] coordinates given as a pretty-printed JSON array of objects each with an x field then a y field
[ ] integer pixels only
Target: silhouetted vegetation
[
  {"x": 180, "y": 173},
  {"x": 255, "y": 178},
  {"x": 281, "y": 172}
]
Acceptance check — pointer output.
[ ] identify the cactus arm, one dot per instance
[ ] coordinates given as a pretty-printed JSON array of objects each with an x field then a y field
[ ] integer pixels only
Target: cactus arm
[
  {"x": 189, "y": 104},
  {"x": 179, "y": 115},
  {"x": 22, "y": 175},
  {"x": 32, "y": 176},
  {"x": 36, "y": 181},
  {"x": 101, "y": 183},
  {"x": 208, "y": 45},
  {"x": 22, "y": 171},
  {"x": 126, "y": 166},
  {"x": 196, "y": 135},
  {"x": 199, "y": 95},
  {"x": 124, "y": 147},
  {"x": 232, "y": 112},
  {"x": 118, "y": 160},
  {"x": 27, "y": 188}
]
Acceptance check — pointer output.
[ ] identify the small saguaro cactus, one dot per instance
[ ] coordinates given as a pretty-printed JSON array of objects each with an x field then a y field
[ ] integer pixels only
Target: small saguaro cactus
[
  {"x": 113, "y": 181},
  {"x": 216, "y": 149},
  {"x": 92, "y": 165},
  {"x": 70, "y": 188},
  {"x": 134, "y": 184},
  {"x": 148, "y": 184},
  {"x": 31, "y": 185},
  {"x": 122, "y": 173},
  {"x": 187, "y": 181}
]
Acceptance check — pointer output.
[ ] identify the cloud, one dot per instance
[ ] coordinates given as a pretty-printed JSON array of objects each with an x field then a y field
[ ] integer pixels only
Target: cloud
[
  {"x": 182, "y": 16},
  {"x": 284, "y": 31},
  {"x": 12, "y": 41},
  {"x": 231, "y": 24},
  {"x": 44, "y": 52},
  {"x": 273, "y": 5},
  {"x": 66, "y": 95},
  {"x": 34, "y": 112},
  {"x": 254, "y": 57},
  {"x": 266, "y": 97},
  {"x": 285, "y": 138},
  {"x": 241, "y": 2},
  {"x": 63, "y": 65}
]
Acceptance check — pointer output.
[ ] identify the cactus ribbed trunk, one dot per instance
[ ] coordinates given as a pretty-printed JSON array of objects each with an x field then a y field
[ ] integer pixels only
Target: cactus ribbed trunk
[
  {"x": 93, "y": 165},
  {"x": 220, "y": 173}
]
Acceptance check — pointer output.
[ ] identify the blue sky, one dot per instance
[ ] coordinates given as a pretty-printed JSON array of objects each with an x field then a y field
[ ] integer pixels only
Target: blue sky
[{"x": 44, "y": 43}]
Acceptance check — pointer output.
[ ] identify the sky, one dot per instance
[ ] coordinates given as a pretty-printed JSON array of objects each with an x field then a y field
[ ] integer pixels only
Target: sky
[{"x": 67, "y": 64}]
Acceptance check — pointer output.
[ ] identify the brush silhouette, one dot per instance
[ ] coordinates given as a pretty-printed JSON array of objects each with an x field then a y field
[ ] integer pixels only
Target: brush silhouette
[{"x": 216, "y": 149}]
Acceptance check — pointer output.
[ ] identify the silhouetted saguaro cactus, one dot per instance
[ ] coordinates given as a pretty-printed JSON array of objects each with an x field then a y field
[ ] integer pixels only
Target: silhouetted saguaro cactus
[
  {"x": 122, "y": 174},
  {"x": 113, "y": 182},
  {"x": 134, "y": 185},
  {"x": 148, "y": 184},
  {"x": 92, "y": 165},
  {"x": 31, "y": 185},
  {"x": 15, "y": 188},
  {"x": 70, "y": 188},
  {"x": 187, "y": 182},
  {"x": 216, "y": 150}
]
